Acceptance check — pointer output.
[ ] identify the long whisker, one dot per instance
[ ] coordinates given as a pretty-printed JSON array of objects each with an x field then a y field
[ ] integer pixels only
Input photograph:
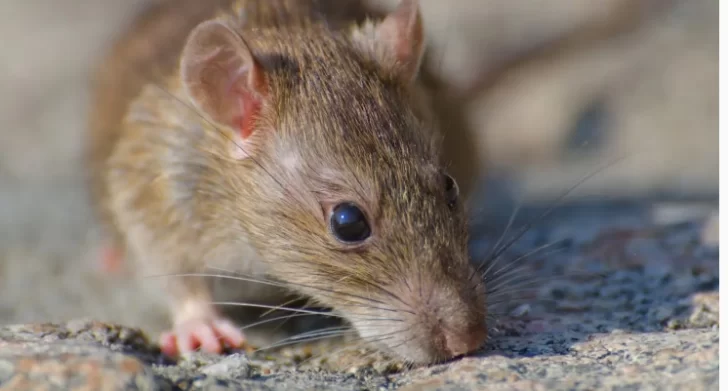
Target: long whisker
[
  {"x": 512, "y": 267},
  {"x": 285, "y": 317},
  {"x": 388, "y": 293},
  {"x": 303, "y": 340},
  {"x": 357, "y": 345},
  {"x": 560, "y": 201},
  {"x": 279, "y": 308},
  {"x": 318, "y": 332},
  {"x": 273, "y": 283},
  {"x": 506, "y": 278},
  {"x": 302, "y": 311},
  {"x": 516, "y": 298},
  {"x": 491, "y": 277},
  {"x": 315, "y": 335},
  {"x": 266, "y": 313},
  {"x": 532, "y": 281},
  {"x": 406, "y": 341},
  {"x": 494, "y": 248},
  {"x": 289, "y": 284},
  {"x": 560, "y": 276}
]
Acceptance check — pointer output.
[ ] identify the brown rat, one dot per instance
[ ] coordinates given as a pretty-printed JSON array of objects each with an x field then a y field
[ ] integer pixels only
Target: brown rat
[{"x": 288, "y": 139}]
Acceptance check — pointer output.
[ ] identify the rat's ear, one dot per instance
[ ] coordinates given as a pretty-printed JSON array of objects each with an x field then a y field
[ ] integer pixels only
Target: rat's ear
[
  {"x": 224, "y": 80},
  {"x": 398, "y": 40}
]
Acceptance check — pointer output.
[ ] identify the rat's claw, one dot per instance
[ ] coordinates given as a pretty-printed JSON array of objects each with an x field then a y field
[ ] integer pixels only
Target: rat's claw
[
  {"x": 210, "y": 336},
  {"x": 168, "y": 344}
]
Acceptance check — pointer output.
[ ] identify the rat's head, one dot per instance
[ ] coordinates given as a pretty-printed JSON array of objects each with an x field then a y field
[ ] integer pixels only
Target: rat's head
[{"x": 339, "y": 180}]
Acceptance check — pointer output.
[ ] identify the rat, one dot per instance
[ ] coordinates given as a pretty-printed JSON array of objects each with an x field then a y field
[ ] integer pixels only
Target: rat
[{"x": 288, "y": 138}]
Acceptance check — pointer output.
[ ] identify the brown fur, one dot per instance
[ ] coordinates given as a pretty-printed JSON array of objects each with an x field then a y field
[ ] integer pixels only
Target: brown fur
[{"x": 341, "y": 122}]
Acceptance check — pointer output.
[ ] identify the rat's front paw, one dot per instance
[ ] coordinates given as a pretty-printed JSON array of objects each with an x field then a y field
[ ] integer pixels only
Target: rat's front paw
[{"x": 208, "y": 335}]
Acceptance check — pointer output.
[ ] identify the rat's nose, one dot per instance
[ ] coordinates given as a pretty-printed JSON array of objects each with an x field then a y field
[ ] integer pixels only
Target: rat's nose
[
  {"x": 444, "y": 320},
  {"x": 465, "y": 341},
  {"x": 460, "y": 322}
]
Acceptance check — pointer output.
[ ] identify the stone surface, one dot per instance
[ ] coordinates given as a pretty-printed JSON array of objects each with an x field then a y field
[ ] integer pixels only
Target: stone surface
[
  {"x": 640, "y": 312},
  {"x": 76, "y": 356},
  {"x": 36, "y": 357},
  {"x": 652, "y": 361}
]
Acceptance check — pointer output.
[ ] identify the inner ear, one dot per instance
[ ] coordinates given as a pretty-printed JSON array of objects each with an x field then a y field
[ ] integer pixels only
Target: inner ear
[
  {"x": 222, "y": 78},
  {"x": 398, "y": 40}
]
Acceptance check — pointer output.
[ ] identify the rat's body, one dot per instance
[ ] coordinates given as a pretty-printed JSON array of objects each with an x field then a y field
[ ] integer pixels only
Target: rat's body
[{"x": 287, "y": 140}]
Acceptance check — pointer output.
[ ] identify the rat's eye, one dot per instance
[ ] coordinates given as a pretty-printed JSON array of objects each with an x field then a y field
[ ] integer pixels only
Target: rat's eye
[
  {"x": 349, "y": 224},
  {"x": 451, "y": 191}
]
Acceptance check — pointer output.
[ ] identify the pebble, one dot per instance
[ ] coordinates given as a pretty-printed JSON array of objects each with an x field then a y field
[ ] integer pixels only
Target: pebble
[{"x": 234, "y": 366}]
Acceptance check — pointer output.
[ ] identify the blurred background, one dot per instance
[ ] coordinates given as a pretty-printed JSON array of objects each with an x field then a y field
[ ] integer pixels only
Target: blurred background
[{"x": 555, "y": 88}]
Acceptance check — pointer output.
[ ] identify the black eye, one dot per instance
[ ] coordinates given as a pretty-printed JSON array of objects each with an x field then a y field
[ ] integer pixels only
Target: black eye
[
  {"x": 349, "y": 224},
  {"x": 451, "y": 191}
]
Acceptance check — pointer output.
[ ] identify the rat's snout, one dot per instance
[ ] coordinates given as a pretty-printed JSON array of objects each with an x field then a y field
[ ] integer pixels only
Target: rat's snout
[
  {"x": 462, "y": 340},
  {"x": 452, "y": 324},
  {"x": 437, "y": 320}
]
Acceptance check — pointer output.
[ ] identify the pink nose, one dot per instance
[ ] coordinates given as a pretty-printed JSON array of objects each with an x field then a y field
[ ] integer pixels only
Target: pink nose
[{"x": 465, "y": 342}]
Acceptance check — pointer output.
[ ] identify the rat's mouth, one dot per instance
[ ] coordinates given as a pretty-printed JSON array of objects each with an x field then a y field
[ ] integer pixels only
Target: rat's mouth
[
  {"x": 421, "y": 349},
  {"x": 440, "y": 329}
]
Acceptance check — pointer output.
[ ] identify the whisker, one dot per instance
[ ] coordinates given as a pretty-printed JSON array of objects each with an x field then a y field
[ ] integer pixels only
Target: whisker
[
  {"x": 317, "y": 335},
  {"x": 518, "y": 259},
  {"x": 289, "y": 284},
  {"x": 509, "y": 276},
  {"x": 513, "y": 273},
  {"x": 279, "y": 345},
  {"x": 497, "y": 291},
  {"x": 512, "y": 295},
  {"x": 517, "y": 298},
  {"x": 559, "y": 202},
  {"x": 273, "y": 320},
  {"x": 298, "y": 310},
  {"x": 266, "y": 313},
  {"x": 333, "y": 352},
  {"x": 494, "y": 248},
  {"x": 238, "y": 278},
  {"x": 272, "y": 283},
  {"x": 357, "y": 345},
  {"x": 406, "y": 341},
  {"x": 390, "y": 294},
  {"x": 318, "y": 332},
  {"x": 535, "y": 280},
  {"x": 305, "y": 311}
]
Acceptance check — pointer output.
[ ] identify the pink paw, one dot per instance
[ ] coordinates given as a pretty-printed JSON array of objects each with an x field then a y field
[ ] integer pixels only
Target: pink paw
[{"x": 210, "y": 336}]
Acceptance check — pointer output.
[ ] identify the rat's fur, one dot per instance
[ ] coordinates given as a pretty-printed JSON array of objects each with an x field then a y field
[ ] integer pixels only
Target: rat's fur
[{"x": 340, "y": 121}]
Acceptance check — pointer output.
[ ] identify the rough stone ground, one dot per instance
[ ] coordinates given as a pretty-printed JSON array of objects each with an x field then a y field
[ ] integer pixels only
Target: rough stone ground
[{"x": 630, "y": 301}]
